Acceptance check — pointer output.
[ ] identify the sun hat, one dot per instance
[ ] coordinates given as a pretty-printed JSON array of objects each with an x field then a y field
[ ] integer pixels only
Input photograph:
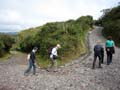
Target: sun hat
[{"x": 58, "y": 45}]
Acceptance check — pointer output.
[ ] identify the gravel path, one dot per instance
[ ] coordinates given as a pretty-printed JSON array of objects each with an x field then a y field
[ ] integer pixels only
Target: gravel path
[{"x": 77, "y": 75}]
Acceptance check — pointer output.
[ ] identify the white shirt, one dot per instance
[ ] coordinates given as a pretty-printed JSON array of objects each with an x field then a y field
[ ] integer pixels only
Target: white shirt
[{"x": 54, "y": 52}]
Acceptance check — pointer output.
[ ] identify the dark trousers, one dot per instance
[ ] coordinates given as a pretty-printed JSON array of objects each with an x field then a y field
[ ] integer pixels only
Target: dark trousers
[
  {"x": 95, "y": 57},
  {"x": 102, "y": 58},
  {"x": 109, "y": 58},
  {"x": 31, "y": 64}
]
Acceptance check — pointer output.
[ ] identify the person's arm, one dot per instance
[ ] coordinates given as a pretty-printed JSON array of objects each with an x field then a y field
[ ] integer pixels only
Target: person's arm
[
  {"x": 94, "y": 49},
  {"x": 113, "y": 44},
  {"x": 106, "y": 44},
  {"x": 102, "y": 50},
  {"x": 113, "y": 47}
]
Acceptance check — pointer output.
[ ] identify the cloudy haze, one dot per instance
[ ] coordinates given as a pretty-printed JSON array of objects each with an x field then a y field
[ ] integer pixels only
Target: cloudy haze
[{"x": 16, "y": 15}]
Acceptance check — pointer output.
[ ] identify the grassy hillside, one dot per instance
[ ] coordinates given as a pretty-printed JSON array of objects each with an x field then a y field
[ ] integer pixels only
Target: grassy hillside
[
  {"x": 111, "y": 23},
  {"x": 70, "y": 35}
]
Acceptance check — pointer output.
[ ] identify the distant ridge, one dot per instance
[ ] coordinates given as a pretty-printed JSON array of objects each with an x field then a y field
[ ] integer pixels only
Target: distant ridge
[{"x": 10, "y": 33}]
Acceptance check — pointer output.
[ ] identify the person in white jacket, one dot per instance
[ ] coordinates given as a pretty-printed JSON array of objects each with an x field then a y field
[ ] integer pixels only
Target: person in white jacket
[{"x": 53, "y": 56}]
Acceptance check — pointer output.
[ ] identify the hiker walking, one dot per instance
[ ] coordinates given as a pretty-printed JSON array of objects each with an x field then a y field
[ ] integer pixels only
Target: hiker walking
[
  {"x": 31, "y": 62},
  {"x": 110, "y": 49},
  {"x": 97, "y": 54},
  {"x": 54, "y": 56}
]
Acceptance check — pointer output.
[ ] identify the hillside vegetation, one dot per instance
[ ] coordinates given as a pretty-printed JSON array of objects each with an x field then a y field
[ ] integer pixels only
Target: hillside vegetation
[
  {"x": 70, "y": 35},
  {"x": 6, "y": 42},
  {"x": 111, "y": 23}
]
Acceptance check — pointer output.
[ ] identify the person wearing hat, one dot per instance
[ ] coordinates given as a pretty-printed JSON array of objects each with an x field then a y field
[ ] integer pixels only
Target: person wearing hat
[
  {"x": 31, "y": 62},
  {"x": 53, "y": 56},
  {"x": 97, "y": 53}
]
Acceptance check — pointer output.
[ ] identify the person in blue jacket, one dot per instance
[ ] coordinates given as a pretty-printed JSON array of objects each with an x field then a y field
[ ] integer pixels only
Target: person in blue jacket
[{"x": 97, "y": 53}]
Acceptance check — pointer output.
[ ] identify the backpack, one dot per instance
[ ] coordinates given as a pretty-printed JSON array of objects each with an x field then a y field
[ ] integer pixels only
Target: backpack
[
  {"x": 28, "y": 56},
  {"x": 97, "y": 49},
  {"x": 50, "y": 50}
]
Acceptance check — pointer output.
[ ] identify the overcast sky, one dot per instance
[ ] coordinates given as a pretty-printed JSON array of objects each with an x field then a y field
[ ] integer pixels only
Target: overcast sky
[{"x": 16, "y": 15}]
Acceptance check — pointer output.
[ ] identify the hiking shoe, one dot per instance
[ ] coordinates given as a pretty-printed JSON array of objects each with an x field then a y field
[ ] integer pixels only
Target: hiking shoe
[
  {"x": 25, "y": 74},
  {"x": 93, "y": 68}
]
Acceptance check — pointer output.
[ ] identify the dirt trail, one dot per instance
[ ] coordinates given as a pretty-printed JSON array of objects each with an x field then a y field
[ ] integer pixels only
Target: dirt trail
[{"x": 77, "y": 75}]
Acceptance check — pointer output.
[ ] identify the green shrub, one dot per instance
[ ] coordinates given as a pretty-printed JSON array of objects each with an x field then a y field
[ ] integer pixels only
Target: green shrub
[
  {"x": 111, "y": 23},
  {"x": 6, "y": 42}
]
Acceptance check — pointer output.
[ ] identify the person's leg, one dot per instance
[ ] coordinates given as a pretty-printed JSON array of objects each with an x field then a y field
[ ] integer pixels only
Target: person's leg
[
  {"x": 100, "y": 58},
  {"x": 29, "y": 68},
  {"x": 95, "y": 57},
  {"x": 51, "y": 63},
  {"x": 34, "y": 69},
  {"x": 108, "y": 58},
  {"x": 55, "y": 65}
]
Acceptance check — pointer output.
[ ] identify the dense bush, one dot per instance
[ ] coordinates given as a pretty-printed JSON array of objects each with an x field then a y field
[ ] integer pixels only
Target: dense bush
[
  {"x": 25, "y": 40},
  {"x": 6, "y": 42}
]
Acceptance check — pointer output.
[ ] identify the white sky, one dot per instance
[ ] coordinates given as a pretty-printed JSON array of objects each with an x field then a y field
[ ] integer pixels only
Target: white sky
[{"x": 16, "y": 15}]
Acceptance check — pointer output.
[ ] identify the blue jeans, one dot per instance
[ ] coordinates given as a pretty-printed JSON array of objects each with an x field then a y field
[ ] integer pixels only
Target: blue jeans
[
  {"x": 95, "y": 57},
  {"x": 31, "y": 64}
]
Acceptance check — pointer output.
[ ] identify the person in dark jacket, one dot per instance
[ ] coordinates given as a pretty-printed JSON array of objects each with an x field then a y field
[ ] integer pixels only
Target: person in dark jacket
[
  {"x": 31, "y": 62},
  {"x": 97, "y": 53}
]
